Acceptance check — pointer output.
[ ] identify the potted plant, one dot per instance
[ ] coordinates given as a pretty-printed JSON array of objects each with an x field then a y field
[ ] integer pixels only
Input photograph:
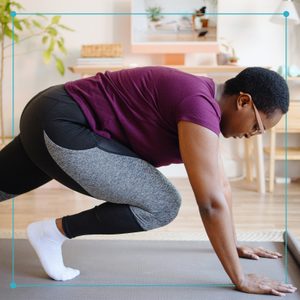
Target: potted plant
[
  {"x": 154, "y": 16},
  {"x": 203, "y": 18},
  {"x": 233, "y": 59},
  {"x": 154, "y": 13},
  {"x": 199, "y": 19},
  {"x": 25, "y": 28}
]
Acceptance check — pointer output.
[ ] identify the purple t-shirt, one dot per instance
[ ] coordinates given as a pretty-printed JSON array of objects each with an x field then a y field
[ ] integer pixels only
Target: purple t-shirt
[{"x": 141, "y": 107}]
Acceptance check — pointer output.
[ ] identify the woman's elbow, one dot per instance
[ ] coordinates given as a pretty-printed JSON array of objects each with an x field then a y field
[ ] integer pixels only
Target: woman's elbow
[{"x": 211, "y": 203}]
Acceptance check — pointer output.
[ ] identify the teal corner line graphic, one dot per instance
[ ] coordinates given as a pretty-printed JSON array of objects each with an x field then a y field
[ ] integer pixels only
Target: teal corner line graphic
[
  {"x": 285, "y": 14},
  {"x": 129, "y": 285},
  {"x": 13, "y": 284}
]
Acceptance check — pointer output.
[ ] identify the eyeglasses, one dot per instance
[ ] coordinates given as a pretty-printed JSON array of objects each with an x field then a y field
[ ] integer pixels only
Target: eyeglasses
[{"x": 260, "y": 129}]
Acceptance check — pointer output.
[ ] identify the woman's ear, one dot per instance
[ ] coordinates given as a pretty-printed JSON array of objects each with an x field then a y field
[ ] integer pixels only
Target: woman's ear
[{"x": 243, "y": 100}]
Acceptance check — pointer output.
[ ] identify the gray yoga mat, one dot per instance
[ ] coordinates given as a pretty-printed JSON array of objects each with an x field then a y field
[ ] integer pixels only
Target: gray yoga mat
[
  {"x": 293, "y": 245},
  {"x": 135, "y": 270}
]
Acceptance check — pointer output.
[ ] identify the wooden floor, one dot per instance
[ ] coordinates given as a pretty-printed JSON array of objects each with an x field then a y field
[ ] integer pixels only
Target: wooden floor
[{"x": 252, "y": 212}]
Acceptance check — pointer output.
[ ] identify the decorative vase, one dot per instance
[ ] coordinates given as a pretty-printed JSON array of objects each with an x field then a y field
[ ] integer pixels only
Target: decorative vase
[
  {"x": 197, "y": 23},
  {"x": 222, "y": 58}
]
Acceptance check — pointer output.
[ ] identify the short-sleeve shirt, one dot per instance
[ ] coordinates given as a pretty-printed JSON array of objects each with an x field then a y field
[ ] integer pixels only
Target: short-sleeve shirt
[{"x": 141, "y": 107}]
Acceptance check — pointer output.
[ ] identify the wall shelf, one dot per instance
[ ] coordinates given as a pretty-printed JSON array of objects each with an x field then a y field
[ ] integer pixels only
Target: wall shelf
[{"x": 93, "y": 69}]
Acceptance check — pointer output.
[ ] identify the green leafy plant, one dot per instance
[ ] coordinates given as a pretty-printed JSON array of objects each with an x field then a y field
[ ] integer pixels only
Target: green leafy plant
[
  {"x": 154, "y": 13},
  {"x": 24, "y": 29}
]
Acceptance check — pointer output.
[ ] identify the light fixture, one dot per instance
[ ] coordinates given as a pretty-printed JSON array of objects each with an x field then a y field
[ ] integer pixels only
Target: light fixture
[{"x": 289, "y": 6}]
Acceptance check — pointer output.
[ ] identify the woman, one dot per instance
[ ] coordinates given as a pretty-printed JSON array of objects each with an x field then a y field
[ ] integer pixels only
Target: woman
[{"x": 104, "y": 135}]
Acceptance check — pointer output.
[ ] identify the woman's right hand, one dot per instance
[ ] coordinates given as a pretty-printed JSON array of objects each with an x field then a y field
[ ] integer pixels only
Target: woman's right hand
[{"x": 256, "y": 284}]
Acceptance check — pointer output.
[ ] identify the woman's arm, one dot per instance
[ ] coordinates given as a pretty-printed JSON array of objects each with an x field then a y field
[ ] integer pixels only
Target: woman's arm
[
  {"x": 199, "y": 148},
  {"x": 227, "y": 193},
  {"x": 243, "y": 251}
]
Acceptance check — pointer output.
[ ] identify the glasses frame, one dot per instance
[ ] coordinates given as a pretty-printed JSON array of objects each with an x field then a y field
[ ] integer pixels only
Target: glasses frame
[{"x": 261, "y": 128}]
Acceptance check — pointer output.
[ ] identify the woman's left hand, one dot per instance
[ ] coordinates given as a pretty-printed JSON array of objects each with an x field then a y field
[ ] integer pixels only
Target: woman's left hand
[{"x": 256, "y": 253}]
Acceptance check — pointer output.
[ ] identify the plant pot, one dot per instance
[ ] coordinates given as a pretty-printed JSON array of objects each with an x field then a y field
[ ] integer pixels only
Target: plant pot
[
  {"x": 233, "y": 60},
  {"x": 222, "y": 58},
  {"x": 204, "y": 23},
  {"x": 152, "y": 25}
]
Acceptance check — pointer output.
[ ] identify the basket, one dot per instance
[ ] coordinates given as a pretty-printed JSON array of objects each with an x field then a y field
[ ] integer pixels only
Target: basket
[{"x": 102, "y": 50}]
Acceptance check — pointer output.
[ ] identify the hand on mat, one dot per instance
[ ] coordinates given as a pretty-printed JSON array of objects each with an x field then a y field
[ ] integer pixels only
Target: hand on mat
[
  {"x": 256, "y": 253},
  {"x": 256, "y": 284}
]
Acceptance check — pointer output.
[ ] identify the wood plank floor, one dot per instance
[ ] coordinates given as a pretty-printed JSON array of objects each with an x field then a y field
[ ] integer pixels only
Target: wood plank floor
[{"x": 252, "y": 212}]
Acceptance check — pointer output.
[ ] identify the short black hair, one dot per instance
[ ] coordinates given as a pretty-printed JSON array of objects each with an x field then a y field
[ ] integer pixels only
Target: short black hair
[{"x": 268, "y": 89}]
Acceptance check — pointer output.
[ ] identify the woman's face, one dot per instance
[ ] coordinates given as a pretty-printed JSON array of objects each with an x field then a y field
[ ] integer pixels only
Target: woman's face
[{"x": 240, "y": 120}]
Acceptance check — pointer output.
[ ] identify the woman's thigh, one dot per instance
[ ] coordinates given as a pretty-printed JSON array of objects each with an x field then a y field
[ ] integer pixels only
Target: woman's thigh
[
  {"x": 52, "y": 111},
  {"x": 106, "y": 173}
]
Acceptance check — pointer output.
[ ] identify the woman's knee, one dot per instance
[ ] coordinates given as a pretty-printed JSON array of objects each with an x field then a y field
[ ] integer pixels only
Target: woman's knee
[{"x": 163, "y": 210}]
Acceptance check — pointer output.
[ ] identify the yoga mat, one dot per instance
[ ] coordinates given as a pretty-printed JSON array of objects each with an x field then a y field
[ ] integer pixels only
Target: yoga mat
[
  {"x": 167, "y": 269},
  {"x": 293, "y": 246}
]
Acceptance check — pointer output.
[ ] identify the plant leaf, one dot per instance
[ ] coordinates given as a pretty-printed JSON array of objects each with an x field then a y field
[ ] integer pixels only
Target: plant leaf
[
  {"x": 52, "y": 31},
  {"x": 37, "y": 24},
  {"x": 42, "y": 16},
  {"x": 7, "y": 6},
  {"x": 26, "y": 22},
  {"x": 17, "y": 24},
  {"x": 65, "y": 27},
  {"x": 60, "y": 66},
  {"x": 62, "y": 47},
  {"x": 16, "y": 38},
  {"x": 3, "y": 3},
  {"x": 4, "y": 19},
  {"x": 51, "y": 46},
  {"x": 55, "y": 19},
  {"x": 45, "y": 39},
  {"x": 7, "y": 31},
  {"x": 47, "y": 57}
]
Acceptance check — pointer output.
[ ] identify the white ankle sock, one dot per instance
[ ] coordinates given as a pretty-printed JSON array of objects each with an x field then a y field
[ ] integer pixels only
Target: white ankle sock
[{"x": 47, "y": 240}]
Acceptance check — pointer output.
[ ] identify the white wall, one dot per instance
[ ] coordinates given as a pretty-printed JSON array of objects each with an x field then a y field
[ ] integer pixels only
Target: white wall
[{"x": 257, "y": 41}]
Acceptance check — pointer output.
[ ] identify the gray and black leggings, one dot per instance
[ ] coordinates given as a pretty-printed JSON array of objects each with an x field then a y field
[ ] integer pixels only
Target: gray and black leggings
[{"x": 55, "y": 142}]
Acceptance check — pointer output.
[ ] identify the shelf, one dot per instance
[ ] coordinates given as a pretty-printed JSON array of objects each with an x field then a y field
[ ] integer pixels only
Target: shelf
[{"x": 93, "y": 69}]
